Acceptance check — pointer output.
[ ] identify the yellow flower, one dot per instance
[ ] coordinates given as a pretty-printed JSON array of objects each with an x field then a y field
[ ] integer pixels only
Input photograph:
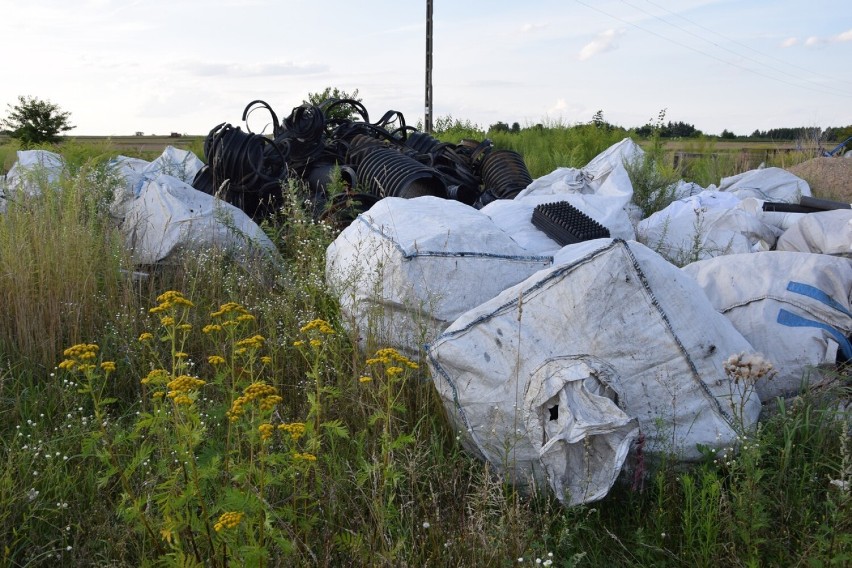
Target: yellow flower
[
  {"x": 321, "y": 325},
  {"x": 229, "y": 308},
  {"x": 365, "y": 379},
  {"x": 254, "y": 342},
  {"x": 158, "y": 394},
  {"x": 210, "y": 328},
  {"x": 295, "y": 429},
  {"x": 146, "y": 337},
  {"x": 181, "y": 355},
  {"x": 228, "y": 520},
  {"x": 267, "y": 394},
  {"x": 315, "y": 342},
  {"x": 108, "y": 366},
  {"x": 155, "y": 376},
  {"x": 298, "y": 343},
  {"x": 185, "y": 327},
  {"x": 216, "y": 360},
  {"x": 67, "y": 364},
  {"x": 266, "y": 360},
  {"x": 245, "y": 317},
  {"x": 182, "y": 400},
  {"x": 173, "y": 298},
  {"x": 266, "y": 431},
  {"x": 304, "y": 457},
  {"x": 167, "y": 321}
]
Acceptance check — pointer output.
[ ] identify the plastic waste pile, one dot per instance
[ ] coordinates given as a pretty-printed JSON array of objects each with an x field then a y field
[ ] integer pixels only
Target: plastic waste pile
[
  {"x": 561, "y": 361},
  {"x": 373, "y": 160},
  {"x": 566, "y": 334}
]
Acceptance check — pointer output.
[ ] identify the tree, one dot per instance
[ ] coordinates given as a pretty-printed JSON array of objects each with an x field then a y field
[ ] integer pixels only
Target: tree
[
  {"x": 337, "y": 112},
  {"x": 34, "y": 121},
  {"x": 728, "y": 135},
  {"x": 499, "y": 127}
]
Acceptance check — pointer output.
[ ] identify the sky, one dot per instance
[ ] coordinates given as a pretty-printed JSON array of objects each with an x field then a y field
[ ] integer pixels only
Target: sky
[{"x": 126, "y": 66}]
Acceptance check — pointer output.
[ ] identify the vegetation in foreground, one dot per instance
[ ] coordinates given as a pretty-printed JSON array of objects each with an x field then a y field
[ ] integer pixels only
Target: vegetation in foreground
[{"x": 213, "y": 413}]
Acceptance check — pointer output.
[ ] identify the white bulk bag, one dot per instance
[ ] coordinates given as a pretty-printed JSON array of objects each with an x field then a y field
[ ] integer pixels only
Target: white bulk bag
[
  {"x": 544, "y": 380},
  {"x": 407, "y": 268},
  {"x": 793, "y": 307},
  {"x": 170, "y": 216},
  {"x": 703, "y": 226},
  {"x": 32, "y": 170},
  {"x": 768, "y": 184},
  {"x": 825, "y": 232}
]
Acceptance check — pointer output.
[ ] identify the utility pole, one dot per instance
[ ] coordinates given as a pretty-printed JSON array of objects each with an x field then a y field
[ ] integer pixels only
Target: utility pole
[{"x": 428, "y": 118}]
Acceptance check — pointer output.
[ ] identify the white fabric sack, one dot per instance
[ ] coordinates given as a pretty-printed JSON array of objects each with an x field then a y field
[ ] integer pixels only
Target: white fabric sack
[
  {"x": 405, "y": 269},
  {"x": 32, "y": 170},
  {"x": 171, "y": 216},
  {"x": 544, "y": 380},
  {"x": 793, "y": 307},
  {"x": 514, "y": 216},
  {"x": 769, "y": 184},
  {"x": 825, "y": 232},
  {"x": 704, "y": 226}
]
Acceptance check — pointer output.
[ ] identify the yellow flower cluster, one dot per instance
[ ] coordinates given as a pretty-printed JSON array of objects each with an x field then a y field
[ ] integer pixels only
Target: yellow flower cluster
[
  {"x": 393, "y": 361},
  {"x": 304, "y": 457},
  {"x": 266, "y": 395},
  {"x": 230, "y": 308},
  {"x": 108, "y": 366},
  {"x": 211, "y": 327},
  {"x": 321, "y": 325},
  {"x": 255, "y": 342},
  {"x": 266, "y": 431},
  {"x": 170, "y": 299},
  {"x": 147, "y": 336},
  {"x": 79, "y": 356},
  {"x": 216, "y": 360},
  {"x": 295, "y": 429},
  {"x": 228, "y": 520},
  {"x": 389, "y": 356},
  {"x": 155, "y": 377},
  {"x": 180, "y": 387}
]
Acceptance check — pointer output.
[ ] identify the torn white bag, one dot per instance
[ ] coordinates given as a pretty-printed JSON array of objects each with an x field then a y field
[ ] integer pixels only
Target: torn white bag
[{"x": 544, "y": 380}]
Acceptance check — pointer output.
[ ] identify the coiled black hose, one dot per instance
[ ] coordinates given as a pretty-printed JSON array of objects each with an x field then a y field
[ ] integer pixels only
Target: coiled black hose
[
  {"x": 248, "y": 168},
  {"x": 386, "y": 158}
]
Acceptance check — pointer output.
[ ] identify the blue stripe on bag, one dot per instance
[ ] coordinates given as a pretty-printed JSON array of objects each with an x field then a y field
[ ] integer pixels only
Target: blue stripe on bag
[
  {"x": 816, "y": 294},
  {"x": 792, "y": 320}
]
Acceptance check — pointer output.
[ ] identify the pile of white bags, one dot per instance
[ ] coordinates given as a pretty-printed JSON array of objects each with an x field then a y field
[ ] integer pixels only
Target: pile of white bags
[{"x": 159, "y": 214}]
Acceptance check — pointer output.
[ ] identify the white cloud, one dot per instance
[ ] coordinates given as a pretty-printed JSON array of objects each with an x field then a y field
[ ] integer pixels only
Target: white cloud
[
  {"x": 526, "y": 28},
  {"x": 845, "y": 36},
  {"x": 842, "y": 37},
  {"x": 559, "y": 106},
  {"x": 790, "y": 42},
  {"x": 604, "y": 42},
  {"x": 254, "y": 69}
]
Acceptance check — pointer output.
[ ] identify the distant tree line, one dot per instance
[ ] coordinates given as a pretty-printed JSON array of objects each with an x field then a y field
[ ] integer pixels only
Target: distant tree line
[{"x": 680, "y": 129}]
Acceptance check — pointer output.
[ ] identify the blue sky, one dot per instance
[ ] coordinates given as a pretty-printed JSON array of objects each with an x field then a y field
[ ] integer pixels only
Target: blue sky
[{"x": 122, "y": 66}]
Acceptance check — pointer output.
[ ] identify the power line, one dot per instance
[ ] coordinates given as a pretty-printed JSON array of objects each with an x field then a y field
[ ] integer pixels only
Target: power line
[
  {"x": 766, "y": 55},
  {"x": 711, "y": 56}
]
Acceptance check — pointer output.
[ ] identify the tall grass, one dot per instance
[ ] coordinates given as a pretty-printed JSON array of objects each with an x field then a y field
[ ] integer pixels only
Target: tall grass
[{"x": 98, "y": 469}]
